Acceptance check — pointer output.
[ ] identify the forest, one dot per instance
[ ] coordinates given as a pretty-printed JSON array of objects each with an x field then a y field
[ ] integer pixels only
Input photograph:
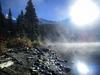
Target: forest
[{"x": 26, "y": 27}]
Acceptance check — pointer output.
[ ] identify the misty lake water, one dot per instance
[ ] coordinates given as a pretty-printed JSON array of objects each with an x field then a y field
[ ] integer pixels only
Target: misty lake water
[{"x": 85, "y": 52}]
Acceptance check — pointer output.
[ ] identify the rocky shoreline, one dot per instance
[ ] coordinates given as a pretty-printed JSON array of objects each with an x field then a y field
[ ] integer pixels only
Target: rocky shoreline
[{"x": 34, "y": 61}]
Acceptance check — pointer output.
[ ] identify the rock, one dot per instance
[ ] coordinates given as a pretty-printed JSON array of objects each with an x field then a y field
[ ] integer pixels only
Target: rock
[
  {"x": 67, "y": 69},
  {"x": 6, "y": 64},
  {"x": 34, "y": 72},
  {"x": 5, "y": 72},
  {"x": 34, "y": 61}
]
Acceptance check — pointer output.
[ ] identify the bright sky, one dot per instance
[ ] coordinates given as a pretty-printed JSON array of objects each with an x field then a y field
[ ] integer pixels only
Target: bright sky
[{"x": 47, "y": 9}]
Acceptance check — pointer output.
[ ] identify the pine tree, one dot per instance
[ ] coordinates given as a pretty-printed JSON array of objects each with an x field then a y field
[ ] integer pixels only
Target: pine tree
[
  {"x": 1, "y": 18},
  {"x": 31, "y": 13},
  {"x": 2, "y": 23},
  {"x": 31, "y": 21},
  {"x": 10, "y": 15},
  {"x": 10, "y": 23},
  {"x": 20, "y": 27}
]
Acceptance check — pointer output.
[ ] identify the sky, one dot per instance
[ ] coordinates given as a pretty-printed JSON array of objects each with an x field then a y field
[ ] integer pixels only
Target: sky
[{"x": 47, "y": 9}]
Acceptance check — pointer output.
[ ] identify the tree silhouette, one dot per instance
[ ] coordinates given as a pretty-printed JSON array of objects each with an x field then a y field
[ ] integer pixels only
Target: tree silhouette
[
  {"x": 20, "y": 27},
  {"x": 27, "y": 24},
  {"x": 31, "y": 13},
  {"x": 2, "y": 23},
  {"x": 10, "y": 24},
  {"x": 31, "y": 21}
]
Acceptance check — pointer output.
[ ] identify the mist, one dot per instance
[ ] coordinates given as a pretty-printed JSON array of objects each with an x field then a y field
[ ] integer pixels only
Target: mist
[{"x": 74, "y": 44}]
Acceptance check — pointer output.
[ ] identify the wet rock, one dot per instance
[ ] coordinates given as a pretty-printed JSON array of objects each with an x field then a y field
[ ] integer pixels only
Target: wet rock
[
  {"x": 67, "y": 69},
  {"x": 34, "y": 61}
]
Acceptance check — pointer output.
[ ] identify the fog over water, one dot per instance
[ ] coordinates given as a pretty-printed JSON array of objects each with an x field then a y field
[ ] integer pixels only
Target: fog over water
[
  {"x": 88, "y": 52},
  {"x": 77, "y": 51}
]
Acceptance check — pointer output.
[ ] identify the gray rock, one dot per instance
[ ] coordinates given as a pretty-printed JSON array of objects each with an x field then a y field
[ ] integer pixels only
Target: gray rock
[{"x": 34, "y": 61}]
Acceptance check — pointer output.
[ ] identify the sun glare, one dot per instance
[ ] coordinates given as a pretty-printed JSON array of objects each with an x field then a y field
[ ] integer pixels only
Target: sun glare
[
  {"x": 82, "y": 68},
  {"x": 84, "y": 12}
]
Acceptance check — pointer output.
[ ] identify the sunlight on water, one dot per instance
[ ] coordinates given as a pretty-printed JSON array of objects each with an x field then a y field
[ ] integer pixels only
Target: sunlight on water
[
  {"x": 79, "y": 50},
  {"x": 80, "y": 44},
  {"x": 86, "y": 52}
]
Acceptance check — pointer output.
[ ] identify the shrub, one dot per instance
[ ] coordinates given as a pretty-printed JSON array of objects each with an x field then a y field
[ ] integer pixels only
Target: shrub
[
  {"x": 19, "y": 42},
  {"x": 37, "y": 43},
  {"x": 3, "y": 47}
]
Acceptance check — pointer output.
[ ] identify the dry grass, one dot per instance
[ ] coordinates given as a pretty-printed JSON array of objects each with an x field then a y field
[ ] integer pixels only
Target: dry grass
[
  {"x": 3, "y": 47},
  {"x": 20, "y": 42}
]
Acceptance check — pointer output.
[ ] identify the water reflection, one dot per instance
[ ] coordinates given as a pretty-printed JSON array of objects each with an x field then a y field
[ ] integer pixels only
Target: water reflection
[{"x": 87, "y": 52}]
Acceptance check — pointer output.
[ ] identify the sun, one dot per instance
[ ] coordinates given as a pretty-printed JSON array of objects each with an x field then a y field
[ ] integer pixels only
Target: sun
[
  {"x": 82, "y": 68},
  {"x": 84, "y": 12}
]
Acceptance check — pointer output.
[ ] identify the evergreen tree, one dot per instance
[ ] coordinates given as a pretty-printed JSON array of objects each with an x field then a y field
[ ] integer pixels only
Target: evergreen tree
[
  {"x": 10, "y": 15},
  {"x": 31, "y": 13},
  {"x": 1, "y": 18},
  {"x": 10, "y": 23},
  {"x": 2, "y": 23},
  {"x": 20, "y": 27},
  {"x": 31, "y": 21}
]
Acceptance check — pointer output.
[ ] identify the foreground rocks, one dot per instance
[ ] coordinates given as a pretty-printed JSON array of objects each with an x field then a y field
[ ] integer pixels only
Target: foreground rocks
[{"x": 34, "y": 61}]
